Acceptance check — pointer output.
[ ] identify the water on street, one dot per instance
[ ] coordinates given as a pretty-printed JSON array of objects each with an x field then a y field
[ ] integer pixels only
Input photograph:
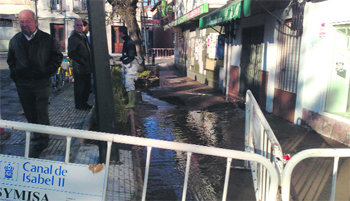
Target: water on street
[{"x": 176, "y": 123}]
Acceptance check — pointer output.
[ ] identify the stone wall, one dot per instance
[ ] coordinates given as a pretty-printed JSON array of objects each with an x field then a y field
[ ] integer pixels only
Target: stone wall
[{"x": 327, "y": 126}]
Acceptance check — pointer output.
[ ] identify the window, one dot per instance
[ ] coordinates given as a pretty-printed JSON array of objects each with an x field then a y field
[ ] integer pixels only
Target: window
[
  {"x": 6, "y": 23},
  {"x": 56, "y": 4},
  {"x": 80, "y": 5},
  {"x": 6, "y": 33},
  {"x": 338, "y": 94}
]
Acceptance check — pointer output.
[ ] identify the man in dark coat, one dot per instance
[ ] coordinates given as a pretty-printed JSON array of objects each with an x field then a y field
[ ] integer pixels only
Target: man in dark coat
[
  {"x": 33, "y": 57},
  {"x": 130, "y": 66},
  {"x": 79, "y": 52}
]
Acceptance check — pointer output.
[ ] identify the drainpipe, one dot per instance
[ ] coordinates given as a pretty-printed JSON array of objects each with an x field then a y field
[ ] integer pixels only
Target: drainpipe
[
  {"x": 36, "y": 9},
  {"x": 144, "y": 30},
  {"x": 225, "y": 62},
  {"x": 228, "y": 63},
  {"x": 227, "y": 59}
]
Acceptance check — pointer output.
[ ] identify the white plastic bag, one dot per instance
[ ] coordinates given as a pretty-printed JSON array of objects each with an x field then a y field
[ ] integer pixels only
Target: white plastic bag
[{"x": 139, "y": 59}]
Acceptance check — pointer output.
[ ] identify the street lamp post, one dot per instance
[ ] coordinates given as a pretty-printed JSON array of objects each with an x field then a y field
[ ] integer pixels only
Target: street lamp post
[{"x": 102, "y": 75}]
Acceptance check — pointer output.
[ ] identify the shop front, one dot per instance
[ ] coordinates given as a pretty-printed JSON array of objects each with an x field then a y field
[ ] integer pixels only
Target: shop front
[{"x": 323, "y": 101}]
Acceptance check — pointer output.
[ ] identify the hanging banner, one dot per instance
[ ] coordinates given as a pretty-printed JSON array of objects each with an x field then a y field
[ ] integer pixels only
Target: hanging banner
[{"x": 35, "y": 179}]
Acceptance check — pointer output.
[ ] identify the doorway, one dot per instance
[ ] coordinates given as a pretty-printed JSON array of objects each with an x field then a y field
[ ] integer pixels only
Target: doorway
[
  {"x": 117, "y": 41},
  {"x": 287, "y": 70},
  {"x": 251, "y": 62},
  {"x": 57, "y": 31},
  {"x": 338, "y": 93}
]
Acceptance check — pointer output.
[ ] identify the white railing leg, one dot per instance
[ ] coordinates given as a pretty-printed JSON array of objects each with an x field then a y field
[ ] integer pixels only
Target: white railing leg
[
  {"x": 227, "y": 178},
  {"x": 264, "y": 145},
  {"x": 248, "y": 114},
  {"x": 26, "y": 151},
  {"x": 144, "y": 191},
  {"x": 188, "y": 163},
  {"x": 334, "y": 179},
  {"x": 108, "y": 157},
  {"x": 69, "y": 141}
]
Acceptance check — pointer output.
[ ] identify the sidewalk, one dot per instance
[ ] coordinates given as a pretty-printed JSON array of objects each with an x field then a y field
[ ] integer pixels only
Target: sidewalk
[{"x": 63, "y": 114}]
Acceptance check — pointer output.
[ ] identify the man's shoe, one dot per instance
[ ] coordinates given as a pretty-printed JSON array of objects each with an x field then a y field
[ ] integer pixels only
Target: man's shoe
[
  {"x": 88, "y": 106},
  {"x": 84, "y": 107}
]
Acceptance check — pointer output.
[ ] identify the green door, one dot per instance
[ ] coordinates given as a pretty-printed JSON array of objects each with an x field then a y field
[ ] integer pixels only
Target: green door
[
  {"x": 251, "y": 60},
  {"x": 337, "y": 100}
]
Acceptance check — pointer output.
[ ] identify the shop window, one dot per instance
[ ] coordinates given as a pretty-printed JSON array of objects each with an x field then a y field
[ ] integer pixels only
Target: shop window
[{"x": 338, "y": 94}]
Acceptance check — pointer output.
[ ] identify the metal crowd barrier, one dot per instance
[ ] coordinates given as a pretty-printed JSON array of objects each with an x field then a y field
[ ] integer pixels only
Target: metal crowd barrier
[
  {"x": 271, "y": 172},
  {"x": 326, "y": 152},
  {"x": 260, "y": 139}
]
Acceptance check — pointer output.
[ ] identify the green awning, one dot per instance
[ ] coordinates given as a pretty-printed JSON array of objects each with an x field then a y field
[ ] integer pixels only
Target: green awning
[
  {"x": 200, "y": 10},
  {"x": 230, "y": 11}
]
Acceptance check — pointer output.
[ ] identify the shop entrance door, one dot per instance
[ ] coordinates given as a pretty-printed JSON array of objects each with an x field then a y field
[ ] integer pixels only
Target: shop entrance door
[{"x": 251, "y": 61}]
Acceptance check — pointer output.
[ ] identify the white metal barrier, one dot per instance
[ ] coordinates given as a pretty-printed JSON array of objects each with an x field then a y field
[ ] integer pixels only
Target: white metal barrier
[
  {"x": 326, "y": 152},
  {"x": 260, "y": 139},
  {"x": 269, "y": 169}
]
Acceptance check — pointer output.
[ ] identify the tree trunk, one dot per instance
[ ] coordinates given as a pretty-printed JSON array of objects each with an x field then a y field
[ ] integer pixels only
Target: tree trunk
[
  {"x": 126, "y": 9},
  {"x": 136, "y": 36}
]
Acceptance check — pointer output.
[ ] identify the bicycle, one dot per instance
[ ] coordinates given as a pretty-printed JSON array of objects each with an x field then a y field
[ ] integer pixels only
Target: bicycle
[{"x": 64, "y": 74}]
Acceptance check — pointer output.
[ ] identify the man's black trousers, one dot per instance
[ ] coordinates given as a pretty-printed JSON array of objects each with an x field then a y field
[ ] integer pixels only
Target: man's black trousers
[
  {"x": 34, "y": 97},
  {"x": 82, "y": 88}
]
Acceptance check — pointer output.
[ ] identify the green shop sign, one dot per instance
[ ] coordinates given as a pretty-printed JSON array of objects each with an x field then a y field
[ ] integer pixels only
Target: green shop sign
[
  {"x": 227, "y": 13},
  {"x": 204, "y": 8}
]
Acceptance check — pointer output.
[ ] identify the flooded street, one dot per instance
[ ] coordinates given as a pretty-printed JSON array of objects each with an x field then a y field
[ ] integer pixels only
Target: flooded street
[{"x": 209, "y": 127}]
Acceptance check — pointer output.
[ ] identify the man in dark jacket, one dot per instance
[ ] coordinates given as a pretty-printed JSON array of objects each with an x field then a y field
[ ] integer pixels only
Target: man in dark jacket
[
  {"x": 33, "y": 57},
  {"x": 79, "y": 52},
  {"x": 130, "y": 66}
]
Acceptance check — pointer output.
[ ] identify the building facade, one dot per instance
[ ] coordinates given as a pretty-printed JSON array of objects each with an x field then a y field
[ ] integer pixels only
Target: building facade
[
  {"x": 57, "y": 18},
  {"x": 293, "y": 55},
  {"x": 192, "y": 56},
  {"x": 8, "y": 20}
]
